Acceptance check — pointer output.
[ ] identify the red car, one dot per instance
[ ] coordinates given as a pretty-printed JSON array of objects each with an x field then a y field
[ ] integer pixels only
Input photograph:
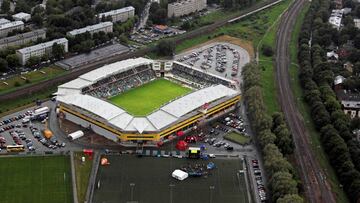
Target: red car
[{"x": 190, "y": 139}]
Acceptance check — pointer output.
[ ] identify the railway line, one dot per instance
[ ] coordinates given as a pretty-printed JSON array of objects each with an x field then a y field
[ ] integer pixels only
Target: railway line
[
  {"x": 178, "y": 39},
  {"x": 317, "y": 188}
]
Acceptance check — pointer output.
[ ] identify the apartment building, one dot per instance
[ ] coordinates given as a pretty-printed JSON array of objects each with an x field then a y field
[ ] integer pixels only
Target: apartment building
[
  {"x": 22, "y": 39},
  {"x": 104, "y": 27},
  {"x": 40, "y": 50},
  {"x": 8, "y": 27},
  {"x": 119, "y": 15},
  {"x": 4, "y": 21},
  {"x": 22, "y": 16},
  {"x": 185, "y": 7}
]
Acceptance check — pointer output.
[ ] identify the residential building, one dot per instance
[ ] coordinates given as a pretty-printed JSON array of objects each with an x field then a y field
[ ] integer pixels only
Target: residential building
[
  {"x": 11, "y": 26},
  {"x": 332, "y": 56},
  {"x": 40, "y": 50},
  {"x": 22, "y": 39},
  {"x": 119, "y": 15},
  {"x": 22, "y": 16},
  {"x": 336, "y": 17},
  {"x": 357, "y": 23},
  {"x": 4, "y": 21},
  {"x": 185, "y": 7},
  {"x": 104, "y": 27},
  {"x": 350, "y": 102}
]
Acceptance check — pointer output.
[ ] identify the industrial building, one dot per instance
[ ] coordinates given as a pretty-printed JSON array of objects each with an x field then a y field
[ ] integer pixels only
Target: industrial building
[
  {"x": 119, "y": 15},
  {"x": 40, "y": 50},
  {"x": 23, "y": 38},
  {"x": 101, "y": 27},
  {"x": 9, "y": 27},
  {"x": 181, "y": 8}
]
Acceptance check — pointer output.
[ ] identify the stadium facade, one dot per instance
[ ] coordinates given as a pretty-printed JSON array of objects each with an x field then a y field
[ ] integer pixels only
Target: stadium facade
[{"x": 83, "y": 100}]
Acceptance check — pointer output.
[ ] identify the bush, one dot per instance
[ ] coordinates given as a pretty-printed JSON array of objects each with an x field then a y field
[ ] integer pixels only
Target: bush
[
  {"x": 17, "y": 84},
  {"x": 267, "y": 50}
]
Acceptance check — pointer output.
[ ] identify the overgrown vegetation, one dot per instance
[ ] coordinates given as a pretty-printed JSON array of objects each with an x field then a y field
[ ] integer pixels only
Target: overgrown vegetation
[
  {"x": 316, "y": 76},
  {"x": 282, "y": 183}
]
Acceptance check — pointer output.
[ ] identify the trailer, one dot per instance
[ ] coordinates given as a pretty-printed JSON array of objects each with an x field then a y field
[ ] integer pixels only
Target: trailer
[{"x": 76, "y": 135}]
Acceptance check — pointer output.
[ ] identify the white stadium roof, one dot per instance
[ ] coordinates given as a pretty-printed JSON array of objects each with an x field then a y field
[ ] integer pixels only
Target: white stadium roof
[
  {"x": 70, "y": 94},
  {"x": 114, "y": 68}
]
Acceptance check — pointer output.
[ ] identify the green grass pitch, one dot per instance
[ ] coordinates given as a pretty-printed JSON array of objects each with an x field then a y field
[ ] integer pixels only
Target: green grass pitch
[
  {"x": 145, "y": 99},
  {"x": 35, "y": 179}
]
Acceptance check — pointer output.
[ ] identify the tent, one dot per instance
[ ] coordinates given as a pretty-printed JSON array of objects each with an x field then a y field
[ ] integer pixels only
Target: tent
[
  {"x": 179, "y": 174},
  {"x": 182, "y": 145},
  {"x": 104, "y": 161},
  {"x": 180, "y": 133}
]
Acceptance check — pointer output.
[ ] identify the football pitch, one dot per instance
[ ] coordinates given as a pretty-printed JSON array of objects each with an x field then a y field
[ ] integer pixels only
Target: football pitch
[
  {"x": 148, "y": 180},
  {"x": 40, "y": 179},
  {"x": 145, "y": 99}
]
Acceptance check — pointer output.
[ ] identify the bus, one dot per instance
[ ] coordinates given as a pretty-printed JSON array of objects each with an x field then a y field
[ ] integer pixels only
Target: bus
[{"x": 15, "y": 148}]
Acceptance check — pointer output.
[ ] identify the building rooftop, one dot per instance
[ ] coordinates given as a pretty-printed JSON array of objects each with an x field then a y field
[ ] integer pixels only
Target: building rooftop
[
  {"x": 22, "y": 36},
  {"x": 3, "y": 21},
  {"x": 90, "y": 28},
  {"x": 42, "y": 45},
  {"x": 11, "y": 24},
  {"x": 118, "y": 11},
  {"x": 21, "y": 15}
]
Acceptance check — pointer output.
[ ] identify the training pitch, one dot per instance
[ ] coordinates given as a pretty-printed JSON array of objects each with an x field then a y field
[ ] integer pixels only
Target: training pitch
[
  {"x": 148, "y": 180},
  {"x": 145, "y": 99},
  {"x": 35, "y": 179}
]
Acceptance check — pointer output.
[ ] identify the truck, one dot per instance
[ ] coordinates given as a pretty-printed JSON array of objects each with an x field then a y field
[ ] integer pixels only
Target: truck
[{"x": 40, "y": 113}]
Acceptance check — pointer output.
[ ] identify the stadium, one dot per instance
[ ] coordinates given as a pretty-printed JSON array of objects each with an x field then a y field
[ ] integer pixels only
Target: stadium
[{"x": 145, "y": 101}]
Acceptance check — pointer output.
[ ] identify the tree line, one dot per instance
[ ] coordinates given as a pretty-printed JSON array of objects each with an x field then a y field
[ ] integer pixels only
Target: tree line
[
  {"x": 274, "y": 139},
  {"x": 316, "y": 76}
]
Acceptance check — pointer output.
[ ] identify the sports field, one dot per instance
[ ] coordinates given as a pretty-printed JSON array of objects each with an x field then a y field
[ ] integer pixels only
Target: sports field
[
  {"x": 145, "y": 99},
  {"x": 35, "y": 179},
  {"x": 149, "y": 180}
]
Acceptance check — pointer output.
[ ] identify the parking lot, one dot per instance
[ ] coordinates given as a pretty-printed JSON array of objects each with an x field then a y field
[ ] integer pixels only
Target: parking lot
[
  {"x": 31, "y": 134},
  {"x": 223, "y": 59},
  {"x": 148, "y": 35}
]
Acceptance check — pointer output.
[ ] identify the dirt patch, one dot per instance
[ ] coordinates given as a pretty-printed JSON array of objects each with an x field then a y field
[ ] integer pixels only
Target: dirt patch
[{"x": 247, "y": 45}]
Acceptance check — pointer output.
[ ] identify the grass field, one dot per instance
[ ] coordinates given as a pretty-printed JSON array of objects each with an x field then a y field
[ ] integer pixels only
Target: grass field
[
  {"x": 237, "y": 138},
  {"x": 151, "y": 178},
  {"x": 35, "y": 179},
  {"x": 143, "y": 100},
  {"x": 33, "y": 77},
  {"x": 82, "y": 172}
]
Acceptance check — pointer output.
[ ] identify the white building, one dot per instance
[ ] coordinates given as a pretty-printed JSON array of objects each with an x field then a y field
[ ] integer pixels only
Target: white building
[
  {"x": 119, "y": 15},
  {"x": 4, "y": 21},
  {"x": 8, "y": 27},
  {"x": 335, "y": 18},
  {"x": 23, "y": 38},
  {"x": 357, "y": 23},
  {"x": 185, "y": 7},
  {"x": 105, "y": 27},
  {"x": 22, "y": 16},
  {"x": 40, "y": 50}
]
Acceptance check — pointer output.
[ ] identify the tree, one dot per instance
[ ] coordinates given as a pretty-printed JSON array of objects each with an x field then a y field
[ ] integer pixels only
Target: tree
[
  {"x": 57, "y": 51},
  {"x": 33, "y": 60},
  {"x": 37, "y": 19},
  {"x": 5, "y": 6},
  {"x": 290, "y": 198},
  {"x": 3, "y": 65},
  {"x": 166, "y": 48},
  {"x": 13, "y": 60},
  {"x": 267, "y": 50}
]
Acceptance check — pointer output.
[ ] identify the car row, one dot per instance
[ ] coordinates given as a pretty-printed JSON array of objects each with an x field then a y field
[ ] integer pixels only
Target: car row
[
  {"x": 51, "y": 143},
  {"x": 258, "y": 179}
]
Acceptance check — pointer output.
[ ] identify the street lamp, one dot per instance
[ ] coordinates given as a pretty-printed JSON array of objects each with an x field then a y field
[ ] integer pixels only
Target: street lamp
[
  {"x": 211, "y": 193},
  {"x": 132, "y": 185}
]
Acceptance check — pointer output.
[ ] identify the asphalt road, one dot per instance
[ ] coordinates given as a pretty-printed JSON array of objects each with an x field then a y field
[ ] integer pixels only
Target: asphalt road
[{"x": 316, "y": 186}]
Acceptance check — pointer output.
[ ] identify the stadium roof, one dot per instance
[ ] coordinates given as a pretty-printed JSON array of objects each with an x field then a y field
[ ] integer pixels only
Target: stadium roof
[
  {"x": 165, "y": 116},
  {"x": 114, "y": 68}
]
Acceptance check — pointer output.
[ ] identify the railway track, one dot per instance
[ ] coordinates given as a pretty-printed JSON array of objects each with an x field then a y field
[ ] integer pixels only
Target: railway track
[
  {"x": 317, "y": 188},
  {"x": 86, "y": 68}
]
